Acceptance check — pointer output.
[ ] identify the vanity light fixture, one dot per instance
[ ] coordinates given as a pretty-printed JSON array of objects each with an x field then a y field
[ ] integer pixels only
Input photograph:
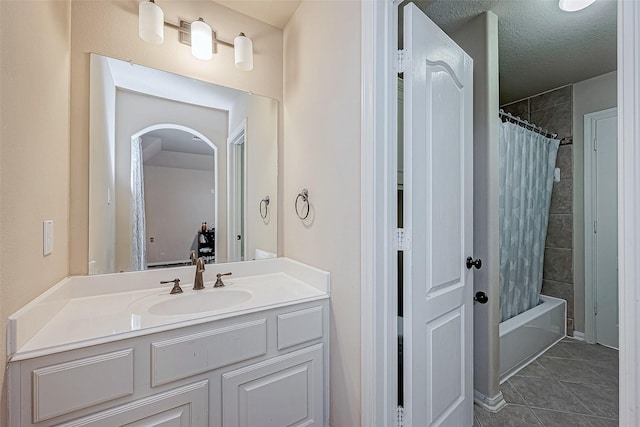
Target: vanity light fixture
[
  {"x": 574, "y": 5},
  {"x": 151, "y": 22},
  {"x": 201, "y": 40},
  {"x": 197, "y": 34}
]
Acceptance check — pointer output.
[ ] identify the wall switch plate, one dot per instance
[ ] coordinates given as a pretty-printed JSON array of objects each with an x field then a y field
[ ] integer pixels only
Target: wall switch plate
[
  {"x": 47, "y": 237},
  {"x": 556, "y": 174}
]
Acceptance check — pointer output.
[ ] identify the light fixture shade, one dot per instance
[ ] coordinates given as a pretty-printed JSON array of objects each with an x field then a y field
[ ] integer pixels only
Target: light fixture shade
[
  {"x": 150, "y": 22},
  {"x": 243, "y": 49},
  {"x": 201, "y": 43},
  {"x": 574, "y": 5}
]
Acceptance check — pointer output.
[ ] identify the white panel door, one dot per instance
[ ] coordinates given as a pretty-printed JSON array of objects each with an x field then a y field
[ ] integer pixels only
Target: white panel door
[
  {"x": 438, "y": 213},
  {"x": 606, "y": 231}
]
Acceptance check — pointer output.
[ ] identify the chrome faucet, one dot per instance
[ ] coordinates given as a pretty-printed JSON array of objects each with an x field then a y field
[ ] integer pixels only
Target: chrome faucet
[{"x": 198, "y": 282}]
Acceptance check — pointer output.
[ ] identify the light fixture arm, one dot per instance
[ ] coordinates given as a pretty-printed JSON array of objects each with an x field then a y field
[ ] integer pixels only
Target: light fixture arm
[{"x": 185, "y": 30}]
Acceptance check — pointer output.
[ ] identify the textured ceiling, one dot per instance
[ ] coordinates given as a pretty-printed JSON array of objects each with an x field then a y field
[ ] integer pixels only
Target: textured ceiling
[{"x": 541, "y": 47}]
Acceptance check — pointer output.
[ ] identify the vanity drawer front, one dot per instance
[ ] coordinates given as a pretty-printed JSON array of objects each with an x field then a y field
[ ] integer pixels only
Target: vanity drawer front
[
  {"x": 67, "y": 387},
  {"x": 182, "y": 407},
  {"x": 299, "y": 327},
  {"x": 189, "y": 355}
]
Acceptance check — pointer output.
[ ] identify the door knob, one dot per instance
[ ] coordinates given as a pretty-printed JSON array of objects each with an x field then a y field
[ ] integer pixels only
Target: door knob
[
  {"x": 481, "y": 297},
  {"x": 474, "y": 263}
]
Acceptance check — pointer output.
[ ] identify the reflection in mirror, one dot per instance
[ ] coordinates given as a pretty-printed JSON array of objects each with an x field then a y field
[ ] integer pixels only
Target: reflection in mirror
[
  {"x": 177, "y": 171},
  {"x": 178, "y": 168}
]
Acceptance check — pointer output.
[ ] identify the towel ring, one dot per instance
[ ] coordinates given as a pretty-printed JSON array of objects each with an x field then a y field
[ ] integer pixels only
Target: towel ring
[
  {"x": 264, "y": 202},
  {"x": 304, "y": 195}
]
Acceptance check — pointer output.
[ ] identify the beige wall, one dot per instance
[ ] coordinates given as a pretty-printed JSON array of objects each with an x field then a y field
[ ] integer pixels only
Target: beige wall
[
  {"x": 177, "y": 201},
  {"x": 322, "y": 153},
  {"x": 589, "y": 96},
  {"x": 34, "y": 151},
  {"x": 262, "y": 170},
  {"x": 479, "y": 39},
  {"x": 110, "y": 28}
]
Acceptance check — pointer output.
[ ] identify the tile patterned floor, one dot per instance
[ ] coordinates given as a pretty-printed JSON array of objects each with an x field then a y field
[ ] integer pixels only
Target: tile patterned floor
[{"x": 572, "y": 384}]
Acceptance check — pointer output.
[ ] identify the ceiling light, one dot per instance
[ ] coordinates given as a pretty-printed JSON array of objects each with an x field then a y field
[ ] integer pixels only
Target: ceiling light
[
  {"x": 574, "y": 5},
  {"x": 199, "y": 35},
  {"x": 201, "y": 42},
  {"x": 151, "y": 22}
]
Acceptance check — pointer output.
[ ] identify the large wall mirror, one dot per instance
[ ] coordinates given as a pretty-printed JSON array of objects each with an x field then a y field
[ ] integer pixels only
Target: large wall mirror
[{"x": 180, "y": 169}]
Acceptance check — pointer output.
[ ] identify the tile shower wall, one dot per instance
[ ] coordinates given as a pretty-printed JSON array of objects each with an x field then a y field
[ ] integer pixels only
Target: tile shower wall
[{"x": 554, "y": 111}]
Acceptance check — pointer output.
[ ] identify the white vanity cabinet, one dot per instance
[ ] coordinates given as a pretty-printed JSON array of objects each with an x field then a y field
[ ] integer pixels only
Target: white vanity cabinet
[{"x": 262, "y": 369}]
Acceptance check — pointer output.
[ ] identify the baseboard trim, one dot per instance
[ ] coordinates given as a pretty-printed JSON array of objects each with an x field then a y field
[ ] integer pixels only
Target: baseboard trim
[
  {"x": 491, "y": 404},
  {"x": 577, "y": 335}
]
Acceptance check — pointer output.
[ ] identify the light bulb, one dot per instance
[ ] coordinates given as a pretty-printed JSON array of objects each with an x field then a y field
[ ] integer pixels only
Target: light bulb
[
  {"x": 574, "y": 5},
  {"x": 201, "y": 44},
  {"x": 243, "y": 49},
  {"x": 151, "y": 22}
]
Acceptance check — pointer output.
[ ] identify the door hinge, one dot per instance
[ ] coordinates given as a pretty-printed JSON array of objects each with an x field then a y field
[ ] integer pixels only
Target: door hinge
[
  {"x": 403, "y": 239},
  {"x": 595, "y": 144},
  {"x": 595, "y": 227},
  {"x": 400, "y": 416},
  {"x": 402, "y": 60}
]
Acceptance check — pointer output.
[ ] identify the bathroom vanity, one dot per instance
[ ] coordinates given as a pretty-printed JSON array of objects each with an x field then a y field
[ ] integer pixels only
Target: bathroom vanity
[{"x": 117, "y": 350}]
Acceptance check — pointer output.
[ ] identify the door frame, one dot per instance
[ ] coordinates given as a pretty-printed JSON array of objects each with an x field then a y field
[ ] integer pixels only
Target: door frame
[
  {"x": 378, "y": 259},
  {"x": 378, "y": 163},
  {"x": 236, "y": 218},
  {"x": 629, "y": 208},
  {"x": 589, "y": 208}
]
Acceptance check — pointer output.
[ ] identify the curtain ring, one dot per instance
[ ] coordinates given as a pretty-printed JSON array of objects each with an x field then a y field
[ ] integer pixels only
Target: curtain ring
[
  {"x": 304, "y": 195},
  {"x": 265, "y": 202}
]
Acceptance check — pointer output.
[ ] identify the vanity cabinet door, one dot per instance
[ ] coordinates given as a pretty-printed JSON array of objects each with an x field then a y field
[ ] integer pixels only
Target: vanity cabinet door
[
  {"x": 287, "y": 390},
  {"x": 182, "y": 407}
]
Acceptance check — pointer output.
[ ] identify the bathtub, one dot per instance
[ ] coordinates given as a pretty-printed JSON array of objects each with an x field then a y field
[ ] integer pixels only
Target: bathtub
[{"x": 525, "y": 337}]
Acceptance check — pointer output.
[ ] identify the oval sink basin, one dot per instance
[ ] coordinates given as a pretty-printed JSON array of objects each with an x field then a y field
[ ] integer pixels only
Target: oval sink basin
[{"x": 199, "y": 302}]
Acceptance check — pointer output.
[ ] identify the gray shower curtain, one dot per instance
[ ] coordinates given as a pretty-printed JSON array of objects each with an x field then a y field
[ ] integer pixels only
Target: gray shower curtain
[
  {"x": 138, "y": 228},
  {"x": 527, "y": 161}
]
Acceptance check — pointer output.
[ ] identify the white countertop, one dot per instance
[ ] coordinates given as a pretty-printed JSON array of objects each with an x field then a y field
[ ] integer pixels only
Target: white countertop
[{"x": 73, "y": 315}]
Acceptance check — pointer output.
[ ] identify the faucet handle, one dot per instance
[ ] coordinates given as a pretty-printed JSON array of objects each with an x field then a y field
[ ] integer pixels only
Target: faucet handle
[
  {"x": 176, "y": 286},
  {"x": 200, "y": 264},
  {"x": 219, "y": 283}
]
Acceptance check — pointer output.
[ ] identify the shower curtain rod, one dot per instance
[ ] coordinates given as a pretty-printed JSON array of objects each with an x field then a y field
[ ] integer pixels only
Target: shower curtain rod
[{"x": 525, "y": 124}]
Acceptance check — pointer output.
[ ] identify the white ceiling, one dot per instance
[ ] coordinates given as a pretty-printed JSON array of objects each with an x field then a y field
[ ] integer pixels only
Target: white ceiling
[
  {"x": 541, "y": 47},
  {"x": 179, "y": 141},
  {"x": 172, "y": 148},
  {"x": 273, "y": 12}
]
